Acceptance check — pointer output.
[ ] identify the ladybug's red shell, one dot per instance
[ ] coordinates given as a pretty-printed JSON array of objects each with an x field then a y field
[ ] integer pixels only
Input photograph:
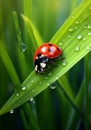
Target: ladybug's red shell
[{"x": 49, "y": 50}]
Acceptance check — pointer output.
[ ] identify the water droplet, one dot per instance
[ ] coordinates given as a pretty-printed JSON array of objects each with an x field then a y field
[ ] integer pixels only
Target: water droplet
[
  {"x": 61, "y": 44},
  {"x": 73, "y": 17},
  {"x": 31, "y": 99},
  {"x": 11, "y": 111},
  {"x": 85, "y": 26},
  {"x": 53, "y": 85},
  {"x": 46, "y": 77},
  {"x": 87, "y": 47},
  {"x": 77, "y": 48},
  {"x": 32, "y": 81},
  {"x": 76, "y": 22},
  {"x": 56, "y": 78},
  {"x": 17, "y": 94},
  {"x": 64, "y": 63},
  {"x": 89, "y": 33},
  {"x": 76, "y": 27},
  {"x": 69, "y": 36},
  {"x": 49, "y": 74},
  {"x": 23, "y": 47},
  {"x": 23, "y": 88},
  {"x": 71, "y": 29},
  {"x": 48, "y": 84},
  {"x": 89, "y": 26},
  {"x": 79, "y": 36},
  {"x": 84, "y": 38}
]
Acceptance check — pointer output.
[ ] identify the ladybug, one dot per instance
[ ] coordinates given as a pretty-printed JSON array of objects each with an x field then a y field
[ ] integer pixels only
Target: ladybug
[{"x": 45, "y": 54}]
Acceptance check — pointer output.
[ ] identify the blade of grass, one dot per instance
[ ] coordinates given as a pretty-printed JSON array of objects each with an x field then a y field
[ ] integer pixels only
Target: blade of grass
[
  {"x": 33, "y": 33},
  {"x": 73, "y": 49},
  {"x": 20, "y": 49},
  {"x": 87, "y": 70},
  {"x": 9, "y": 66}
]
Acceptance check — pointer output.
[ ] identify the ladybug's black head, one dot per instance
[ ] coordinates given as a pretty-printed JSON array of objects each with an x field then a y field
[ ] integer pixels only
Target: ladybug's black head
[{"x": 41, "y": 63}]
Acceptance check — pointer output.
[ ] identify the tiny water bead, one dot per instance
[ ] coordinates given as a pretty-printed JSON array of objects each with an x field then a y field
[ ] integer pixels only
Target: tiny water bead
[
  {"x": 23, "y": 47},
  {"x": 89, "y": 33},
  {"x": 76, "y": 27},
  {"x": 53, "y": 85},
  {"x": 79, "y": 36},
  {"x": 23, "y": 88},
  {"x": 11, "y": 111},
  {"x": 69, "y": 36},
  {"x": 77, "y": 48},
  {"x": 46, "y": 77},
  {"x": 76, "y": 22},
  {"x": 71, "y": 29},
  {"x": 89, "y": 26},
  {"x": 64, "y": 63},
  {"x": 49, "y": 74},
  {"x": 17, "y": 94},
  {"x": 87, "y": 47},
  {"x": 31, "y": 99},
  {"x": 84, "y": 38},
  {"x": 32, "y": 81}
]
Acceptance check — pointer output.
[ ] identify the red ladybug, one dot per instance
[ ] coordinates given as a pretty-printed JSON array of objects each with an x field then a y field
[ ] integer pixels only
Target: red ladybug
[{"x": 45, "y": 54}]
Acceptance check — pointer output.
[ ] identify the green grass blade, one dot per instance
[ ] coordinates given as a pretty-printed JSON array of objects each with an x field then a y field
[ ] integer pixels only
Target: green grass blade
[
  {"x": 21, "y": 49},
  {"x": 74, "y": 49},
  {"x": 9, "y": 66},
  {"x": 33, "y": 33}
]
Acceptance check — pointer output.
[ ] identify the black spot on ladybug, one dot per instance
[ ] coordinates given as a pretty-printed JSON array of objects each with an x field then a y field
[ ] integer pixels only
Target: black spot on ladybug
[
  {"x": 50, "y": 44},
  {"x": 39, "y": 55},
  {"x": 50, "y": 50},
  {"x": 58, "y": 49}
]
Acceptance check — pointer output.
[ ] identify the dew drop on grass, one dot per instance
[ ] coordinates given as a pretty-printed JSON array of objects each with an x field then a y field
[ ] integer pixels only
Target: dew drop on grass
[
  {"x": 79, "y": 36},
  {"x": 69, "y": 36},
  {"x": 75, "y": 27},
  {"x": 77, "y": 48},
  {"x": 49, "y": 74},
  {"x": 76, "y": 22},
  {"x": 32, "y": 81},
  {"x": 23, "y": 47},
  {"x": 89, "y": 26},
  {"x": 46, "y": 77},
  {"x": 31, "y": 99},
  {"x": 84, "y": 38},
  {"x": 17, "y": 94},
  {"x": 89, "y": 33},
  {"x": 87, "y": 47},
  {"x": 64, "y": 63},
  {"x": 71, "y": 29},
  {"x": 85, "y": 26},
  {"x": 53, "y": 85},
  {"x": 23, "y": 88},
  {"x": 11, "y": 111},
  {"x": 48, "y": 84}
]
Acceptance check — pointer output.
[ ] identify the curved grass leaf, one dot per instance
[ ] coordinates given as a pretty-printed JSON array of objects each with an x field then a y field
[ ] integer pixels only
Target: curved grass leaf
[{"x": 75, "y": 39}]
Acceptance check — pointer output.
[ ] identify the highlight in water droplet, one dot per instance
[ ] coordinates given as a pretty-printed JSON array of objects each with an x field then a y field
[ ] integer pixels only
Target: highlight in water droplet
[
  {"x": 46, "y": 77},
  {"x": 64, "y": 63},
  {"x": 31, "y": 99},
  {"x": 23, "y": 47},
  {"x": 79, "y": 36},
  {"x": 71, "y": 29},
  {"x": 76, "y": 27},
  {"x": 23, "y": 88},
  {"x": 53, "y": 85},
  {"x": 76, "y": 22},
  {"x": 32, "y": 81},
  {"x": 87, "y": 47},
  {"x": 89, "y": 33},
  {"x": 17, "y": 94},
  {"x": 11, "y": 111},
  {"x": 84, "y": 38},
  {"x": 77, "y": 48},
  {"x": 89, "y": 26},
  {"x": 69, "y": 36}
]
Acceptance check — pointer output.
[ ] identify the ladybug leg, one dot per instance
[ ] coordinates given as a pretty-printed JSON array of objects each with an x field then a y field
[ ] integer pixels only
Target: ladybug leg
[{"x": 53, "y": 63}]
